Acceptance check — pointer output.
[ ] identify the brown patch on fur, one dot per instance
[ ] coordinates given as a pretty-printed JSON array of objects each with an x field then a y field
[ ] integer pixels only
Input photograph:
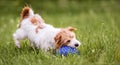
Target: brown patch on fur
[
  {"x": 39, "y": 27},
  {"x": 37, "y": 22},
  {"x": 63, "y": 38},
  {"x": 34, "y": 20}
]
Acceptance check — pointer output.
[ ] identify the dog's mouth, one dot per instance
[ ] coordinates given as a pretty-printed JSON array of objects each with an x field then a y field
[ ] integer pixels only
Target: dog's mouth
[{"x": 73, "y": 46}]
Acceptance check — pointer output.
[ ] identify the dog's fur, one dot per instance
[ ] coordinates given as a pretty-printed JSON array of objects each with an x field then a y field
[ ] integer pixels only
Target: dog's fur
[{"x": 42, "y": 35}]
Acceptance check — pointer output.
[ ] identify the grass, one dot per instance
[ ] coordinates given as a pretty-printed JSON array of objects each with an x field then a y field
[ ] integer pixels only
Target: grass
[{"x": 98, "y": 31}]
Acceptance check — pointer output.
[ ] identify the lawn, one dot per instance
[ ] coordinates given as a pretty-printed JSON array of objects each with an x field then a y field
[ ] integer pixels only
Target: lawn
[{"x": 97, "y": 24}]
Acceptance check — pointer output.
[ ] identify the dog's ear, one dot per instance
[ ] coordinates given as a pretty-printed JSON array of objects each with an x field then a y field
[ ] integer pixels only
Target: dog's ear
[
  {"x": 58, "y": 41},
  {"x": 71, "y": 28}
]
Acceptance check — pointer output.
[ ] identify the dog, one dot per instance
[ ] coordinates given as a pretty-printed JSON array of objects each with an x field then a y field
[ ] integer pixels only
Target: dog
[{"x": 42, "y": 35}]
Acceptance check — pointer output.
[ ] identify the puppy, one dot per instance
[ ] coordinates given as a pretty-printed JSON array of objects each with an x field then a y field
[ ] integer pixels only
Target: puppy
[{"x": 42, "y": 35}]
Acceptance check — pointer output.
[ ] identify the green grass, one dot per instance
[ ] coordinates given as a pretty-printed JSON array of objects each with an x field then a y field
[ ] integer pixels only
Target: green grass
[{"x": 97, "y": 29}]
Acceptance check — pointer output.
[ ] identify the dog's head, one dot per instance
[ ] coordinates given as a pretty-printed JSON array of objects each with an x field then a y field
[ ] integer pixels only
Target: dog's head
[{"x": 66, "y": 37}]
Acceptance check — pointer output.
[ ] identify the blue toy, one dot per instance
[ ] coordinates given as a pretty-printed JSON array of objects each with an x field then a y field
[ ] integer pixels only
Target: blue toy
[{"x": 65, "y": 50}]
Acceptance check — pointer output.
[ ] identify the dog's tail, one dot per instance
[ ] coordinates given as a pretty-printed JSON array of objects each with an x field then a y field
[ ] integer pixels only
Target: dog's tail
[{"x": 26, "y": 12}]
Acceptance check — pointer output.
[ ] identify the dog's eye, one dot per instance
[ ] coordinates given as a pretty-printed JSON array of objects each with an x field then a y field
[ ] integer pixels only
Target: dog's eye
[{"x": 68, "y": 41}]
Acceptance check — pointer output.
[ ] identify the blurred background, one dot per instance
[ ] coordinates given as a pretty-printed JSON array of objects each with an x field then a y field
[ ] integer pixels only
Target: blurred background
[
  {"x": 56, "y": 7},
  {"x": 59, "y": 6}
]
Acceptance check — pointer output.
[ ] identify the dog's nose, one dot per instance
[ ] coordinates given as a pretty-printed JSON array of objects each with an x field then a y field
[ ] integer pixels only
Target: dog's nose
[{"x": 76, "y": 45}]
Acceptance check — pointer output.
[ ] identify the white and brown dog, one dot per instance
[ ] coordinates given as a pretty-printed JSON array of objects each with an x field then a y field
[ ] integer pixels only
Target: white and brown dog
[{"x": 42, "y": 35}]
